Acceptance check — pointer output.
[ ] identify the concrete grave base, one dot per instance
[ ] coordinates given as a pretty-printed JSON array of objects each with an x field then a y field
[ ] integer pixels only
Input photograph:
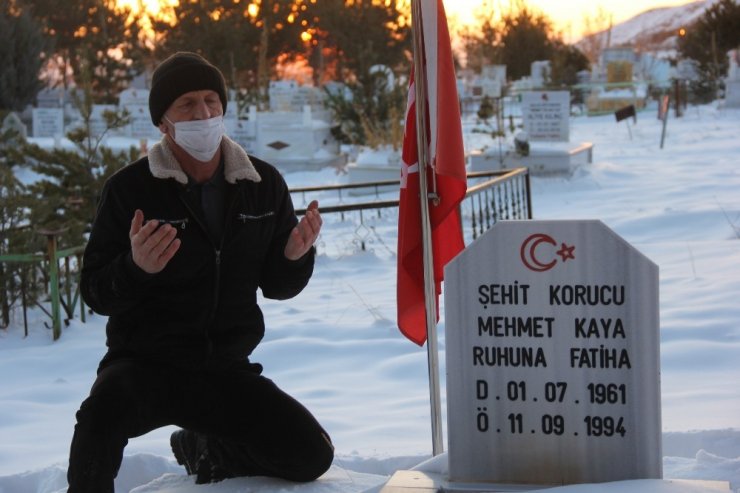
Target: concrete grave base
[
  {"x": 544, "y": 158},
  {"x": 426, "y": 482}
]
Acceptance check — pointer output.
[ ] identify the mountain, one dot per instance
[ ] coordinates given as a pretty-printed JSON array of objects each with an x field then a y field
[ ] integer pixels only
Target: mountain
[{"x": 653, "y": 30}]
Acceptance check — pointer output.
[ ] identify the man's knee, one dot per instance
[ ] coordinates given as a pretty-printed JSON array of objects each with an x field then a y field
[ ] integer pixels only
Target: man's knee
[
  {"x": 98, "y": 412},
  {"x": 316, "y": 464}
]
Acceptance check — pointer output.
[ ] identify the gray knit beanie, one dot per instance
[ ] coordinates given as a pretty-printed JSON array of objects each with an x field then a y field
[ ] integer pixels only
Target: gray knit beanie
[{"x": 180, "y": 73}]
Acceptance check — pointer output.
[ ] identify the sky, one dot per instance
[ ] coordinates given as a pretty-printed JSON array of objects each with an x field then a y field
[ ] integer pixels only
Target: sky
[
  {"x": 337, "y": 349},
  {"x": 567, "y": 15}
]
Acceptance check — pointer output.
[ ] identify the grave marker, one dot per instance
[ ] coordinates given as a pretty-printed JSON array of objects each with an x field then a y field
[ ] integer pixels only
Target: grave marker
[
  {"x": 13, "y": 122},
  {"x": 552, "y": 352},
  {"x": 624, "y": 113},
  {"x": 546, "y": 115},
  {"x": 48, "y": 122},
  {"x": 98, "y": 125},
  {"x": 663, "y": 111}
]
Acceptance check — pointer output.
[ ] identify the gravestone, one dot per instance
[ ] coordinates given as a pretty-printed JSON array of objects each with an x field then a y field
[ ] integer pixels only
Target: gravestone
[
  {"x": 494, "y": 72},
  {"x": 732, "y": 82},
  {"x": 540, "y": 72},
  {"x": 50, "y": 98},
  {"x": 242, "y": 130},
  {"x": 48, "y": 122},
  {"x": 136, "y": 102},
  {"x": 619, "y": 71},
  {"x": 552, "y": 351},
  {"x": 546, "y": 115},
  {"x": 141, "y": 123},
  {"x": 13, "y": 122},
  {"x": 492, "y": 80},
  {"x": 98, "y": 125},
  {"x": 133, "y": 97},
  {"x": 140, "y": 81},
  {"x": 281, "y": 93}
]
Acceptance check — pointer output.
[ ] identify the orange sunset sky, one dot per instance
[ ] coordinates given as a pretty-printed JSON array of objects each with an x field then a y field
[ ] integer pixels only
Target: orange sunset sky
[{"x": 567, "y": 15}]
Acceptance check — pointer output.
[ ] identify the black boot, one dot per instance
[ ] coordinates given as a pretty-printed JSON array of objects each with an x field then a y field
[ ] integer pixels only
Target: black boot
[{"x": 191, "y": 450}]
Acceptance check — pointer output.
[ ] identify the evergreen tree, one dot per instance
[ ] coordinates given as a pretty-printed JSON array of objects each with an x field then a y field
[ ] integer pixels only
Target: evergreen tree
[
  {"x": 348, "y": 38},
  {"x": 565, "y": 65},
  {"x": 519, "y": 38},
  {"x": 234, "y": 36},
  {"x": 372, "y": 113},
  {"x": 16, "y": 235},
  {"x": 481, "y": 42},
  {"x": 526, "y": 36},
  {"x": 486, "y": 109},
  {"x": 22, "y": 44},
  {"x": 708, "y": 40},
  {"x": 66, "y": 198},
  {"x": 96, "y": 33}
]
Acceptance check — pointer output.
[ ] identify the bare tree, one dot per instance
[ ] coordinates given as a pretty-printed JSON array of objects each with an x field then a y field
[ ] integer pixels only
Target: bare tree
[{"x": 596, "y": 34}]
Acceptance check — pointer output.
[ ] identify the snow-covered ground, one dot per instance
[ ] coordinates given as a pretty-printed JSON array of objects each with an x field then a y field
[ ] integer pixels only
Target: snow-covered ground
[{"x": 337, "y": 349}]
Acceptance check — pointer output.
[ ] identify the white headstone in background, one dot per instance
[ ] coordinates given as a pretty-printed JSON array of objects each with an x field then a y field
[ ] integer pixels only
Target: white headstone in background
[
  {"x": 98, "y": 125},
  {"x": 281, "y": 93},
  {"x": 139, "y": 82},
  {"x": 242, "y": 130},
  {"x": 491, "y": 88},
  {"x": 133, "y": 97},
  {"x": 553, "y": 360},
  {"x": 232, "y": 110},
  {"x": 732, "y": 82},
  {"x": 13, "y": 122},
  {"x": 48, "y": 122},
  {"x": 494, "y": 72},
  {"x": 141, "y": 123},
  {"x": 50, "y": 98},
  {"x": 540, "y": 73},
  {"x": 136, "y": 102},
  {"x": 546, "y": 115}
]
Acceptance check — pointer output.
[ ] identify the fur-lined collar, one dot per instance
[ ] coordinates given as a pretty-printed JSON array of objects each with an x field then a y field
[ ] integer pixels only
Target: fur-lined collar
[{"x": 237, "y": 166}]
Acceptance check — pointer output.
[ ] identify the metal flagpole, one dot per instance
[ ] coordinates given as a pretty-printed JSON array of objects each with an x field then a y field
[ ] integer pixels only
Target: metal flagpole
[{"x": 430, "y": 295}]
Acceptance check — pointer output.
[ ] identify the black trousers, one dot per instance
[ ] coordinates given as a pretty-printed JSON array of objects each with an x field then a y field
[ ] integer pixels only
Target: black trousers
[{"x": 260, "y": 430}]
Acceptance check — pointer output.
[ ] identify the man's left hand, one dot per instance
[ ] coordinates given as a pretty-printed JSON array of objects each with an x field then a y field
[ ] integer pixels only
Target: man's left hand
[{"x": 305, "y": 233}]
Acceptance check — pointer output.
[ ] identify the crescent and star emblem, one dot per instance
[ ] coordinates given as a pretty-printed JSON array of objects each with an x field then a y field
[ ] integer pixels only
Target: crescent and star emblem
[{"x": 528, "y": 252}]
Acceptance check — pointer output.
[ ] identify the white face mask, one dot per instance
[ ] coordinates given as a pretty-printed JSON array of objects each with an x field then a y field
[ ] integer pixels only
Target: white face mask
[{"x": 200, "y": 138}]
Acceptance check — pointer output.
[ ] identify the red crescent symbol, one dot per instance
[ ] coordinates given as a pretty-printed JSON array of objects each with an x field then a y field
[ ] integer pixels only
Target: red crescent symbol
[{"x": 527, "y": 252}]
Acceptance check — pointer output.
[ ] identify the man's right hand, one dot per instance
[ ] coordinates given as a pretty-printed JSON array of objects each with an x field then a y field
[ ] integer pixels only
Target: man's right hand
[{"x": 152, "y": 247}]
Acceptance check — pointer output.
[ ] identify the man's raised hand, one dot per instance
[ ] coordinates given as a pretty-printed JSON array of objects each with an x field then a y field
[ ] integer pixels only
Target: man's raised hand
[
  {"x": 305, "y": 233},
  {"x": 152, "y": 247}
]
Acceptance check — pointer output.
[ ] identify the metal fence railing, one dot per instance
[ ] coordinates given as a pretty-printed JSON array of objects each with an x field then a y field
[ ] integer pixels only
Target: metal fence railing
[
  {"x": 61, "y": 284},
  {"x": 492, "y": 196}
]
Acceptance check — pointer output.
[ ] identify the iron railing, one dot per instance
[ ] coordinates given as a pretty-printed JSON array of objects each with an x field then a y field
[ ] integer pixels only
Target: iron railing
[
  {"x": 62, "y": 285},
  {"x": 492, "y": 196}
]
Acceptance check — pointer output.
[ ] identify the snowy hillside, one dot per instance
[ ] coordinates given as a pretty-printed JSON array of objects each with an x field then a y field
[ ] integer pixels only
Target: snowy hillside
[{"x": 654, "y": 29}]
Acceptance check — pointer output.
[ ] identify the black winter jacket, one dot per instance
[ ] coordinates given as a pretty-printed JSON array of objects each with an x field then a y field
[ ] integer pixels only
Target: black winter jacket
[{"x": 201, "y": 310}]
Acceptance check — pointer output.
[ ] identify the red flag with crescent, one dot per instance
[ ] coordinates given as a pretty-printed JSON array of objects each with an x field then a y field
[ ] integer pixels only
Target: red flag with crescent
[{"x": 446, "y": 172}]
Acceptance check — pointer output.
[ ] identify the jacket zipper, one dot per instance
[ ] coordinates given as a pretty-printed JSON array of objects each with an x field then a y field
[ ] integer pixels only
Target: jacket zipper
[
  {"x": 217, "y": 251},
  {"x": 217, "y": 280}
]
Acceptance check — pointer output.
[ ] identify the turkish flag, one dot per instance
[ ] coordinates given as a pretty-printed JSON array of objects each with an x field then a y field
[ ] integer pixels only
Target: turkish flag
[{"x": 447, "y": 160}]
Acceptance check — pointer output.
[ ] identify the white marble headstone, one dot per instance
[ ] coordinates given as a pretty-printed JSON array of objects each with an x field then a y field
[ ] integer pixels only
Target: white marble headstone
[{"x": 553, "y": 364}]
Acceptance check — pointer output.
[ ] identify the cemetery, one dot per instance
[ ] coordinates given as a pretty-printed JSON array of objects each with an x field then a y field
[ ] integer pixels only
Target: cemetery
[{"x": 587, "y": 327}]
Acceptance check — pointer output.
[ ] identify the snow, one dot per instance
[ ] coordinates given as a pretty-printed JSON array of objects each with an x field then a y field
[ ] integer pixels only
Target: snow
[
  {"x": 639, "y": 29},
  {"x": 337, "y": 349}
]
